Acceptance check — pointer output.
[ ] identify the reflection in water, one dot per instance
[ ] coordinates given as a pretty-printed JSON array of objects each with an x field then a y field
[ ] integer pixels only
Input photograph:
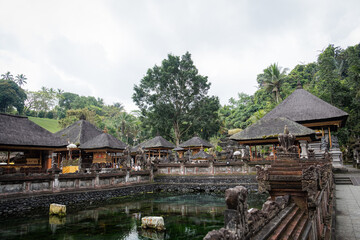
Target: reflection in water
[
  {"x": 152, "y": 234},
  {"x": 186, "y": 217}
]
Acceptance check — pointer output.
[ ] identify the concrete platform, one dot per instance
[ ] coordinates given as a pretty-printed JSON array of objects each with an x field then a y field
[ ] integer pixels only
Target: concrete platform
[{"x": 347, "y": 212}]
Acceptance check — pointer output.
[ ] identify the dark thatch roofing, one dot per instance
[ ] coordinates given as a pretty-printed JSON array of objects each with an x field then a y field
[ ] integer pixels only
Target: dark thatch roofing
[
  {"x": 201, "y": 155},
  {"x": 271, "y": 128},
  {"x": 20, "y": 131},
  {"x": 157, "y": 142},
  {"x": 179, "y": 149},
  {"x": 302, "y": 106},
  {"x": 135, "y": 148},
  {"x": 195, "y": 142},
  {"x": 104, "y": 140},
  {"x": 79, "y": 133}
]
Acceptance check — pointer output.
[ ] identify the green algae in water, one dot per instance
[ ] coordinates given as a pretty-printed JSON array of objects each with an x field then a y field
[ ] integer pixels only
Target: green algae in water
[{"x": 188, "y": 216}]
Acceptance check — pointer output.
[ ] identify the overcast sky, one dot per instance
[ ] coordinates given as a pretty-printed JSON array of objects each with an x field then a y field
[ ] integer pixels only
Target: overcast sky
[{"x": 103, "y": 48}]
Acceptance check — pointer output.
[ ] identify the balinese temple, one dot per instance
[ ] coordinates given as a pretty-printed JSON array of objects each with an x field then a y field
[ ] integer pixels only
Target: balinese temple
[
  {"x": 105, "y": 149},
  {"x": 157, "y": 147},
  {"x": 266, "y": 131},
  {"x": 92, "y": 145},
  {"x": 194, "y": 145},
  {"x": 25, "y": 146},
  {"x": 309, "y": 111}
]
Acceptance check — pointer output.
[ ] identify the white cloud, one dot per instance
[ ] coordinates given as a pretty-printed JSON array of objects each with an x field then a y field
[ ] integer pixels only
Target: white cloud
[{"x": 103, "y": 48}]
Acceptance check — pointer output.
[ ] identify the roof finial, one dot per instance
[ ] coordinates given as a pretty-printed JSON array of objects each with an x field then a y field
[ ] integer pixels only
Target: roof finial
[
  {"x": 299, "y": 86},
  {"x": 286, "y": 130}
]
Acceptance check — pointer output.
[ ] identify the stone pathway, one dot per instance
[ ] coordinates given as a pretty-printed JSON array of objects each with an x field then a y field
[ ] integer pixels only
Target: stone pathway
[{"x": 348, "y": 210}]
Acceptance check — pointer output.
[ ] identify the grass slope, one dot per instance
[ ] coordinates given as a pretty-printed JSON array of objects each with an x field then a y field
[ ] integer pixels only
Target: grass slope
[{"x": 51, "y": 125}]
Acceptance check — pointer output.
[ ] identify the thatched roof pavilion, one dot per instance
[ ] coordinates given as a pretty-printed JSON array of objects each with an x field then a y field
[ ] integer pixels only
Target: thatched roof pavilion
[
  {"x": 25, "y": 143},
  {"x": 104, "y": 141},
  {"x": 195, "y": 142},
  {"x": 201, "y": 155},
  {"x": 19, "y": 131},
  {"x": 303, "y": 113},
  {"x": 79, "y": 132},
  {"x": 304, "y": 108},
  {"x": 94, "y": 146},
  {"x": 157, "y": 142},
  {"x": 266, "y": 131}
]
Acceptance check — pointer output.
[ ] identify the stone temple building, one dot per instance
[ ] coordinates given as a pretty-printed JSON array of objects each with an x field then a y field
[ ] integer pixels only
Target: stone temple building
[{"x": 312, "y": 120}]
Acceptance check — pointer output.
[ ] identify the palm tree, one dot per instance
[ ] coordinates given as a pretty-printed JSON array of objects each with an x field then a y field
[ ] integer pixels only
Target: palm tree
[
  {"x": 20, "y": 79},
  {"x": 7, "y": 76},
  {"x": 273, "y": 77}
]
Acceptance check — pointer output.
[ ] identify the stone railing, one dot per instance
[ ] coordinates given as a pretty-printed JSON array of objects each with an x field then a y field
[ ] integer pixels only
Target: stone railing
[
  {"x": 241, "y": 223},
  {"x": 12, "y": 184},
  {"x": 208, "y": 168}
]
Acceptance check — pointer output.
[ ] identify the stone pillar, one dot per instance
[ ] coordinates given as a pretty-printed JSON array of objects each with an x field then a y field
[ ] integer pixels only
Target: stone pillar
[
  {"x": 96, "y": 170},
  {"x": 151, "y": 173},
  {"x": 182, "y": 168},
  {"x": 55, "y": 171},
  {"x": 335, "y": 152},
  {"x": 304, "y": 151},
  {"x": 127, "y": 176},
  {"x": 211, "y": 167}
]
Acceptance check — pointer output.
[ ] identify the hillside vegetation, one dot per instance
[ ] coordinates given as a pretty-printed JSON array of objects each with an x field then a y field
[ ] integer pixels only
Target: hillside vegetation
[{"x": 52, "y": 125}]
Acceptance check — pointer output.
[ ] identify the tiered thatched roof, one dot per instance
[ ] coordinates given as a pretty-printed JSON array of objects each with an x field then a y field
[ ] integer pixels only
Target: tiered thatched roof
[
  {"x": 195, "y": 142},
  {"x": 267, "y": 129},
  {"x": 79, "y": 133},
  {"x": 103, "y": 141},
  {"x": 301, "y": 106},
  {"x": 20, "y": 131},
  {"x": 158, "y": 143}
]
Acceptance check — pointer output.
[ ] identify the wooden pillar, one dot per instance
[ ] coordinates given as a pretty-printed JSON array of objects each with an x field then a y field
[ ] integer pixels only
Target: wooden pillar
[
  {"x": 251, "y": 156},
  {"x": 273, "y": 151},
  {"x": 330, "y": 138},
  {"x": 255, "y": 153}
]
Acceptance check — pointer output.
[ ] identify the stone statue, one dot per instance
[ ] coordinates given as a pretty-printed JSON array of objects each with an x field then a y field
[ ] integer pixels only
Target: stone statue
[
  {"x": 324, "y": 144},
  {"x": 287, "y": 140},
  {"x": 335, "y": 143}
]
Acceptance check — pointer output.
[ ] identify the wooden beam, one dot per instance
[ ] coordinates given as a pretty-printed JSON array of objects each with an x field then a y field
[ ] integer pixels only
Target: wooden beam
[
  {"x": 5, "y": 147},
  {"x": 270, "y": 141},
  {"x": 323, "y": 124}
]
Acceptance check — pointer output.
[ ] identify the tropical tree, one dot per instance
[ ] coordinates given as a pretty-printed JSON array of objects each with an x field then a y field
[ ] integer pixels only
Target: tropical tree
[
  {"x": 272, "y": 79},
  {"x": 172, "y": 98},
  {"x": 11, "y": 95},
  {"x": 7, "y": 76},
  {"x": 20, "y": 79}
]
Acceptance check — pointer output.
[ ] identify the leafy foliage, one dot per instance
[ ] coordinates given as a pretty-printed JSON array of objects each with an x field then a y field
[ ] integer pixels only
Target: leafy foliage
[
  {"x": 11, "y": 95},
  {"x": 173, "y": 100}
]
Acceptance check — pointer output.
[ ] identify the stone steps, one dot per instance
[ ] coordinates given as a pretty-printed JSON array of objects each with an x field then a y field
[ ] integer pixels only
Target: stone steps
[
  {"x": 274, "y": 223},
  {"x": 300, "y": 227},
  {"x": 281, "y": 229},
  {"x": 343, "y": 180}
]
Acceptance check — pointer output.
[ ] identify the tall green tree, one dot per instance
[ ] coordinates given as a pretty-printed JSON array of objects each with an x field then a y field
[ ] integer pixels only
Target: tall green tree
[
  {"x": 172, "y": 98},
  {"x": 11, "y": 95},
  {"x": 272, "y": 79}
]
